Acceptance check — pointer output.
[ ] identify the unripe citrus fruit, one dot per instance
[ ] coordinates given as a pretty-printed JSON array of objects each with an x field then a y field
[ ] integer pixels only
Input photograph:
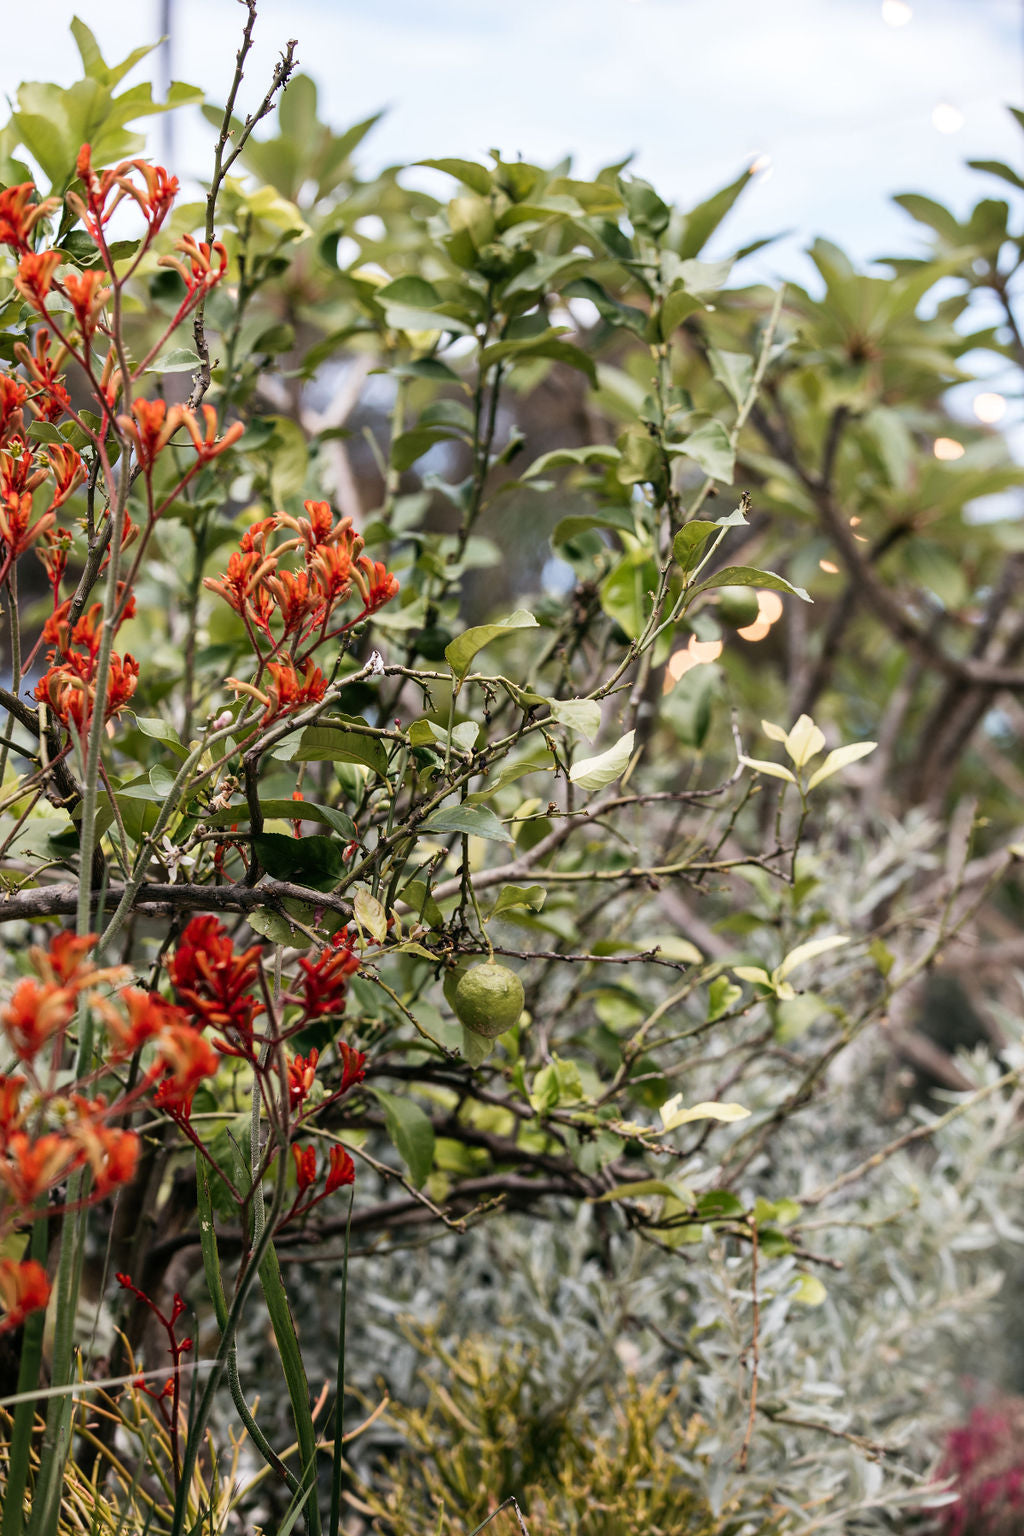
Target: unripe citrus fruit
[
  {"x": 489, "y": 999},
  {"x": 738, "y": 605}
]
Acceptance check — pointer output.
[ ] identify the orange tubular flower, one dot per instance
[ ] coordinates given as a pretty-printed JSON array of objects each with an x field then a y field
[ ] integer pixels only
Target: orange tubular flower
[
  {"x": 51, "y": 399},
  {"x": 88, "y": 296},
  {"x": 305, "y": 1167},
  {"x": 301, "y": 1076},
  {"x": 197, "y": 271},
  {"x": 105, "y": 190},
  {"x": 186, "y": 1058},
  {"x": 341, "y": 1170},
  {"x": 150, "y": 428},
  {"x": 33, "y": 1164},
  {"x": 211, "y": 981},
  {"x": 289, "y": 691},
  {"x": 68, "y": 469},
  {"x": 112, "y": 1154},
  {"x": 13, "y": 395},
  {"x": 24, "y": 1288},
  {"x": 149, "y": 1015},
  {"x": 35, "y": 1014},
  {"x": 247, "y": 570},
  {"x": 376, "y": 584},
  {"x": 206, "y": 443},
  {"x": 19, "y": 216},
  {"x": 17, "y": 529},
  {"x": 326, "y": 982},
  {"x": 294, "y": 598},
  {"x": 35, "y": 276},
  {"x": 69, "y": 689}
]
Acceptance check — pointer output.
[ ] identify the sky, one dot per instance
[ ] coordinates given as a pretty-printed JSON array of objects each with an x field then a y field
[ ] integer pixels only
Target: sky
[{"x": 844, "y": 100}]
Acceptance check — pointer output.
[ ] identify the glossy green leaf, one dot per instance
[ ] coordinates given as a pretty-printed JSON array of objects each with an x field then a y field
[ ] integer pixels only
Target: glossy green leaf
[
  {"x": 470, "y": 820},
  {"x": 411, "y": 1133},
  {"x": 462, "y": 650},
  {"x": 750, "y": 576}
]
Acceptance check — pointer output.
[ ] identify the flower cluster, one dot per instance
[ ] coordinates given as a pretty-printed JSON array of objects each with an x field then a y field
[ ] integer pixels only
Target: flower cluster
[
  {"x": 340, "y": 1170},
  {"x": 290, "y": 609},
  {"x": 49, "y": 1130},
  {"x": 68, "y": 688},
  {"x": 213, "y": 983},
  {"x": 149, "y": 187}
]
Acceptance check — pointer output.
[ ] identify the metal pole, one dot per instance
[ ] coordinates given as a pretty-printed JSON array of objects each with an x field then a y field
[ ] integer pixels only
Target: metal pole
[{"x": 166, "y": 66}]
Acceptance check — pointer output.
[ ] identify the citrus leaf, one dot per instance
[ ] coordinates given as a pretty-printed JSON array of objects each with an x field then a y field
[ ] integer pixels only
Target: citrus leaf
[
  {"x": 459, "y": 654},
  {"x": 596, "y": 772}
]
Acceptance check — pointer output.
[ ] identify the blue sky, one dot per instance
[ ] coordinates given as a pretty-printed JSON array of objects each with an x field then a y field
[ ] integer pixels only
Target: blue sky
[{"x": 841, "y": 100}]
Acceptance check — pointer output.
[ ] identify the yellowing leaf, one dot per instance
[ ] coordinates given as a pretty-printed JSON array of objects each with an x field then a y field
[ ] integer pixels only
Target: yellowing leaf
[
  {"x": 596, "y": 772},
  {"x": 672, "y": 947},
  {"x": 809, "y": 1291},
  {"x": 752, "y": 973},
  {"x": 773, "y": 770},
  {"x": 804, "y": 741},
  {"x": 583, "y": 715},
  {"x": 840, "y": 758},
  {"x": 370, "y": 915},
  {"x": 807, "y": 951},
  {"x": 773, "y": 732},
  {"x": 673, "y": 1112}
]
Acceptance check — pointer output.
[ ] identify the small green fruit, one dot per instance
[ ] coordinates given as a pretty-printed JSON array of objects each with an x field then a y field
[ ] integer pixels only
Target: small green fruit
[
  {"x": 489, "y": 999},
  {"x": 738, "y": 605}
]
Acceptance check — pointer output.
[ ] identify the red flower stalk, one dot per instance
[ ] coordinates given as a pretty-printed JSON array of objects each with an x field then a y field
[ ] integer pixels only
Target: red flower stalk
[
  {"x": 87, "y": 295},
  {"x": 197, "y": 271},
  {"x": 50, "y": 399},
  {"x": 212, "y": 982},
  {"x": 168, "y": 1399},
  {"x": 68, "y": 469},
  {"x": 150, "y": 427},
  {"x": 24, "y": 1288},
  {"x": 19, "y": 216},
  {"x": 206, "y": 442},
  {"x": 35, "y": 1014},
  {"x": 34, "y": 277},
  {"x": 341, "y": 1170},
  {"x": 286, "y": 691},
  {"x": 301, "y": 1076},
  {"x": 325, "y": 983},
  {"x": 105, "y": 190},
  {"x": 305, "y": 1166},
  {"x": 33, "y": 1164},
  {"x": 13, "y": 395}
]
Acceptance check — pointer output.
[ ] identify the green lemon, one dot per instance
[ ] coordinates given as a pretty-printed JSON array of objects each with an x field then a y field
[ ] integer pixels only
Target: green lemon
[
  {"x": 738, "y": 605},
  {"x": 489, "y": 999}
]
